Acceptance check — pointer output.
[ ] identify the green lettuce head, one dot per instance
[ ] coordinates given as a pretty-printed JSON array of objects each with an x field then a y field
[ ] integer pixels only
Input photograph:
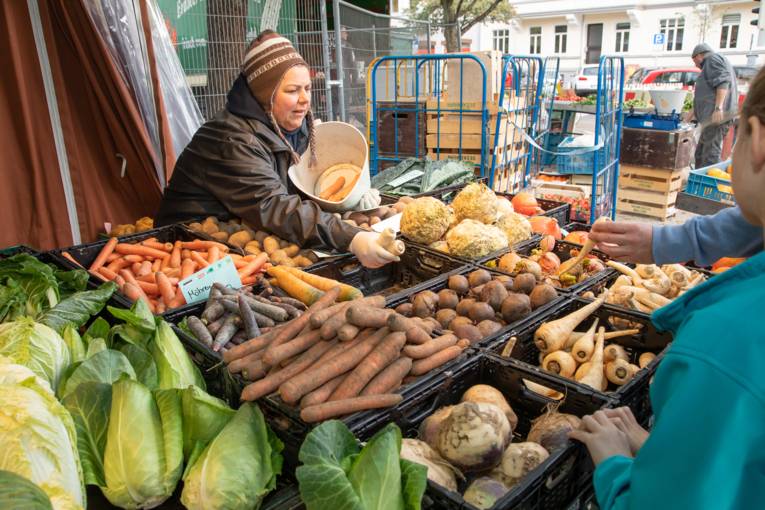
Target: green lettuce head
[{"x": 35, "y": 346}]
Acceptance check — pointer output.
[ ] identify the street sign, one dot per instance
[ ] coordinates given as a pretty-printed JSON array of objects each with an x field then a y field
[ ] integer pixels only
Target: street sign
[{"x": 658, "y": 39}]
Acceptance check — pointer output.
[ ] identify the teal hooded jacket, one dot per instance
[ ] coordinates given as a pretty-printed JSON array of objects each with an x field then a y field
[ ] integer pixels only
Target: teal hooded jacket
[{"x": 707, "y": 447}]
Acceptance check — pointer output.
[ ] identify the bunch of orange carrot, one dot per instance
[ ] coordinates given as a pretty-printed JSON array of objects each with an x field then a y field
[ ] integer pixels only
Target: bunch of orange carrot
[{"x": 150, "y": 270}]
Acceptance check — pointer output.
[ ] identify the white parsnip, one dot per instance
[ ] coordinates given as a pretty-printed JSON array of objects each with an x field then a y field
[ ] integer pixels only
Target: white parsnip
[
  {"x": 582, "y": 349},
  {"x": 595, "y": 378},
  {"x": 551, "y": 336}
]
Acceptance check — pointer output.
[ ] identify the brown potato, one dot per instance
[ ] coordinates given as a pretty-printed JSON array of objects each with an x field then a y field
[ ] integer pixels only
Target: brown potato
[
  {"x": 463, "y": 307},
  {"x": 240, "y": 239},
  {"x": 479, "y": 277},
  {"x": 260, "y": 236},
  {"x": 445, "y": 316},
  {"x": 542, "y": 294},
  {"x": 525, "y": 283},
  {"x": 301, "y": 261},
  {"x": 270, "y": 244},
  {"x": 515, "y": 307},
  {"x": 291, "y": 249},
  {"x": 210, "y": 225},
  {"x": 489, "y": 327},
  {"x": 493, "y": 293},
  {"x": 447, "y": 298},
  {"x": 220, "y": 236},
  {"x": 196, "y": 226},
  {"x": 459, "y": 284},
  {"x": 405, "y": 309}
]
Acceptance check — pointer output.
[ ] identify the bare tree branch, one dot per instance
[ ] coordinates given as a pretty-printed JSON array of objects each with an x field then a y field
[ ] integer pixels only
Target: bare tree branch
[
  {"x": 458, "y": 10},
  {"x": 467, "y": 26}
]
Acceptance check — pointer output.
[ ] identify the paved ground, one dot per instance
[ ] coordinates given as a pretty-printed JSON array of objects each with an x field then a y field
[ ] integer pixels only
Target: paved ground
[{"x": 679, "y": 217}]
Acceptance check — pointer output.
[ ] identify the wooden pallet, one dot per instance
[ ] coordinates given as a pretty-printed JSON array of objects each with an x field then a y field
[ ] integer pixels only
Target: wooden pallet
[
  {"x": 647, "y": 203},
  {"x": 651, "y": 179}
]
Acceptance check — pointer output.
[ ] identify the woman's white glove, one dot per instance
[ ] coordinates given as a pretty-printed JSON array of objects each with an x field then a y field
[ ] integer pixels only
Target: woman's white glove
[
  {"x": 369, "y": 200},
  {"x": 366, "y": 247}
]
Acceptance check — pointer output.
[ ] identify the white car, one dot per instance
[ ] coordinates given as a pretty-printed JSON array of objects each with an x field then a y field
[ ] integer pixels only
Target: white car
[{"x": 586, "y": 82}]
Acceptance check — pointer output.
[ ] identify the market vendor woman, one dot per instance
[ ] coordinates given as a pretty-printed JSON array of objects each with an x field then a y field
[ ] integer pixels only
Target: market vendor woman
[{"x": 236, "y": 163}]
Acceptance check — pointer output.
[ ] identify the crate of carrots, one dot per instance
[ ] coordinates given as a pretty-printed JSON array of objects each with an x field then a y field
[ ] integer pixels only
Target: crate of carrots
[{"x": 149, "y": 265}]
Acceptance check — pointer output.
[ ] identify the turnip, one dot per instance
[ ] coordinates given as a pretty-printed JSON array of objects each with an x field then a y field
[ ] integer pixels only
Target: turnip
[
  {"x": 439, "y": 471},
  {"x": 484, "y": 492},
  {"x": 491, "y": 395},
  {"x": 551, "y": 429},
  {"x": 473, "y": 436},
  {"x": 519, "y": 460},
  {"x": 430, "y": 426}
]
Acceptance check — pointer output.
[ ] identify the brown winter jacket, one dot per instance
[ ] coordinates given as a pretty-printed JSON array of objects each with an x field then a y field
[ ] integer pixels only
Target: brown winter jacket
[{"x": 236, "y": 166}]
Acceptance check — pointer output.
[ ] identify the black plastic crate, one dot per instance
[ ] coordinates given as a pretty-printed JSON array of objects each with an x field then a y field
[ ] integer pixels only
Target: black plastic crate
[
  {"x": 633, "y": 394},
  {"x": 552, "y": 485},
  {"x": 15, "y": 250},
  {"x": 445, "y": 194},
  {"x": 85, "y": 254},
  {"x": 557, "y": 210},
  {"x": 563, "y": 251},
  {"x": 417, "y": 265}
]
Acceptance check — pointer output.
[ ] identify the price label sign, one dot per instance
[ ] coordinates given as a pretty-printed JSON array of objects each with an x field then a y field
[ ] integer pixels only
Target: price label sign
[{"x": 197, "y": 286}]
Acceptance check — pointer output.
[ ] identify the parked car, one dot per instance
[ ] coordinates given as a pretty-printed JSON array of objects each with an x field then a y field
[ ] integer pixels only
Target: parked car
[
  {"x": 684, "y": 76},
  {"x": 586, "y": 82}
]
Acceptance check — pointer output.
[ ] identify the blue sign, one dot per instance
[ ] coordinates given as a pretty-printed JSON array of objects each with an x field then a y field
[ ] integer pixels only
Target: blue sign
[{"x": 658, "y": 39}]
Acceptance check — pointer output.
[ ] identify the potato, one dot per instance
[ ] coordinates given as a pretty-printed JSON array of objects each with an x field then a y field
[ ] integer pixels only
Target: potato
[
  {"x": 489, "y": 327},
  {"x": 459, "y": 320},
  {"x": 476, "y": 291},
  {"x": 447, "y": 298},
  {"x": 525, "y": 283},
  {"x": 515, "y": 307},
  {"x": 301, "y": 261},
  {"x": 359, "y": 218},
  {"x": 406, "y": 200},
  {"x": 542, "y": 294},
  {"x": 310, "y": 255},
  {"x": 221, "y": 236},
  {"x": 196, "y": 226},
  {"x": 493, "y": 293},
  {"x": 270, "y": 244},
  {"x": 260, "y": 236},
  {"x": 210, "y": 225},
  {"x": 463, "y": 307},
  {"x": 469, "y": 332},
  {"x": 374, "y": 220},
  {"x": 423, "y": 305},
  {"x": 365, "y": 226},
  {"x": 398, "y": 207},
  {"x": 240, "y": 239},
  {"x": 282, "y": 243},
  {"x": 479, "y": 277},
  {"x": 445, "y": 316},
  {"x": 291, "y": 249},
  {"x": 252, "y": 249},
  {"x": 459, "y": 284},
  {"x": 481, "y": 312},
  {"x": 405, "y": 309},
  {"x": 280, "y": 257}
]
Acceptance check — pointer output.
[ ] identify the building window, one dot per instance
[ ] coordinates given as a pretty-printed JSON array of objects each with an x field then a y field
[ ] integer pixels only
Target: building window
[
  {"x": 729, "y": 33},
  {"x": 535, "y": 46},
  {"x": 560, "y": 38},
  {"x": 501, "y": 40},
  {"x": 622, "y": 37},
  {"x": 673, "y": 30}
]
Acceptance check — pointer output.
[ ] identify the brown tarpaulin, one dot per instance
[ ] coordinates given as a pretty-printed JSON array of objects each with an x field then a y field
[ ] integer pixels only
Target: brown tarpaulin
[{"x": 99, "y": 119}]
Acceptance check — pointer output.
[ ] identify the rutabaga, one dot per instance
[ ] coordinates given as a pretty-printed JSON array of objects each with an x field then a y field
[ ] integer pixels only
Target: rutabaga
[{"x": 474, "y": 436}]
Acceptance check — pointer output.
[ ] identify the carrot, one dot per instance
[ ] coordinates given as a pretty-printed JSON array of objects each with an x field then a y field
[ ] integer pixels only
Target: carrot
[
  {"x": 187, "y": 268},
  {"x": 185, "y": 254},
  {"x": 232, "y": 356},
  {"x": 149, "y": 288},
  {"x": 128, "y": 276},
  {"x": 340, "y": 195},
  {"x": 120, "y": 281},
  {"x": 165, "y": 263},
  {"x": 366, "y": 316},
  {"x": 275, "y": 354},
  {"x": 135, "y": 293},
  {"x": 110, "y": 258},
  {"x": 104, "y": 253},
  {"x": 160, "y": 307},
  {"x": 173, "y": 272},
  {"x": 239, "y": 264},
  {"x": 389, "y": 379},
  {"x": 347, "y": 293},
  {"x": 175, "y": 255},
  {"x": 294, "y": 286},
  {"x": 294, "y": 389},
  {"x": 322, "y": 393},
  {"x": 430, "y": 347},
  {"x": 425, "y": 365},
  {"x": 132, "y": 258},
  {"x": 334, "y": 323},
  {"x": 250, "y": 280},
  {"x": 165, "y": 287},
  {"x": 332, "y": 188},
  {"x": 417, "y": 336},
  {"x": 319, "y": 318},
  {"x": 156, "y": 265},
  {"x": 347, "y": 332},
  {"x": 137, "y": 249},
  {"x": 118, "y": 264},
  {"x": 99, "y": 275},
  {"x": 71, "y": 259},
  {"x": 374, "y": 363},
  {"x": 254, "y": 265},
  {"x": 235, "y": 256},
  {"x": 108, "y": 273},
  {"x": 271, "y": 382},
  {"x": 199, "y": 259},
  {"x": 178, "y": 300},
  {"x": 551, "y": 336},
  {"x": 144, "y": 268},
  {"x": 135, "y": 267},
  {"x": 157, "y": 245},
  {"x": 339, "y": 348},
  {"x": 321, "y": 412},
  {"x": 213, "y": 254},
  {"x": 199, "y": 244}
]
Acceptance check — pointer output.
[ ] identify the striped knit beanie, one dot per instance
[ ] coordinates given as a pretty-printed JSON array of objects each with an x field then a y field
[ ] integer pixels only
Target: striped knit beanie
[{"x": 268, "y": 58}]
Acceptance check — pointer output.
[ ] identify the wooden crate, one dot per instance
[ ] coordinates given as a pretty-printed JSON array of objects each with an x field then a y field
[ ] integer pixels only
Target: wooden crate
[
  {"x": 468, "y": 124},
  {"x": 468, "y": 140},
  {"x": 647, "y": 203},
  {"x": 465, "y": 74},
  {"x": 651, "y": 179},
  {"x": 657, "y": 149}
]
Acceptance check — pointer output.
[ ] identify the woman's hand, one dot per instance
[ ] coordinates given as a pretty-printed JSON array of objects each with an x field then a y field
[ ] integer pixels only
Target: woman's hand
[
  {"x": 366, "y": 247},
  {"x": 602, "y": 438},
  {"x": 624, "y": 241},
  {"x": 625, "y": 421}
]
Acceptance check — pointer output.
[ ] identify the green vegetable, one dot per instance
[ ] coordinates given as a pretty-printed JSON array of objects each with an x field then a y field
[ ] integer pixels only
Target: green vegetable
[
  {"x": 436, "y": 174},
  {"x": 338, "y": 473},
  {"x": 38, "y": 439},
  {"x": 174, "y": 366},
  {"x": 635, "y": 103},
  {"x": 89, "y": 405},
  {"x": 106, "y": 367},
  {"x": 143, "y": 363},
  {"x": 688, "y": 102},
  {"x": 99, "y": 328},
  {"x": 35, "y": 346},
  {"x": 77, "y": 308},
  {"x": 19, "y": 492},
  {"x": 34, "y": 284},
  {"x": 143, "y": 456},
  {"x": 203, "y": 418},
  {"x": 592, "y": 99},
  {"x": 74, "y": 341},
  {"x": 238, "y": 468}
]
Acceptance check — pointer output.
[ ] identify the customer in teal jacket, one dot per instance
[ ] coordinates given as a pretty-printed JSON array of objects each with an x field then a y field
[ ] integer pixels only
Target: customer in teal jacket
[{"x": 707, "y": 446}]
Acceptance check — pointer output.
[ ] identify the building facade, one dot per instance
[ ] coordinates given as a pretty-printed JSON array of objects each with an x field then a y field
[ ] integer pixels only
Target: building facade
[{"x": 650, "y": 33}]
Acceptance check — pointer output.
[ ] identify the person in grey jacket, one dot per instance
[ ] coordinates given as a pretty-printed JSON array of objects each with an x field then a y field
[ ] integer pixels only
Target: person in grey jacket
[
  {"x": 715, "y": 100},
  {"x": 702, "y": 239}
]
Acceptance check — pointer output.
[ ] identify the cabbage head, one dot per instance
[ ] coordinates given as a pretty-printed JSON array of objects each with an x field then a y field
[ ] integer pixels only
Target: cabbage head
[
  {"x": 174, "y": 366},
  {"x": 35, "y": 346},
  {"x": 38, "y": 439}
]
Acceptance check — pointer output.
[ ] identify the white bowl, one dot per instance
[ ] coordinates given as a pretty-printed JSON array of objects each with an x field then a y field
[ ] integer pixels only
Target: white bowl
[
  {"x": 667, "y": 101},
  {"x": 336, "y": 142}
]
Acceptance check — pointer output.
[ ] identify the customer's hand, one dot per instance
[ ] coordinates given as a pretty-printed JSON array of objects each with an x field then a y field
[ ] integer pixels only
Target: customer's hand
[
  {"x": 601, "y": 437},
  {"x": 366, "y": 247},
  {"x": 625, "y": 421},
  {"x": 624, "y": 241}
]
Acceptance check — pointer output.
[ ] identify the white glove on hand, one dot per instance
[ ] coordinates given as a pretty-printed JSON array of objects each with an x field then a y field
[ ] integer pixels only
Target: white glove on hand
[
  {"x": 366, "y": 247},
  {"x": 369, "y": 200}
]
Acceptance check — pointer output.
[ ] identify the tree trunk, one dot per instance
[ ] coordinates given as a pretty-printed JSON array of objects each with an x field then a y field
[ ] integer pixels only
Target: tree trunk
[
  {"x": 452, "y": 38},
  {"x": 226, "y": 43}
]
